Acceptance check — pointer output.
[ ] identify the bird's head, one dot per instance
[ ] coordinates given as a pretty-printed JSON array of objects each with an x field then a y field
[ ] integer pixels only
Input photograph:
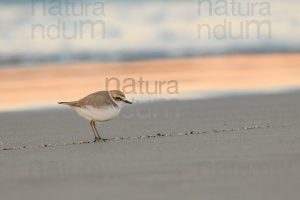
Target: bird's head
[{"x": 119, "y": 96}]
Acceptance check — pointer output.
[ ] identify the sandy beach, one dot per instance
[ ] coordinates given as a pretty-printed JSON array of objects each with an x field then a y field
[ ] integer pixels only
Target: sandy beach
[
  {"x": 243, "y": 147},
  {"x": 212, "y": 92}
]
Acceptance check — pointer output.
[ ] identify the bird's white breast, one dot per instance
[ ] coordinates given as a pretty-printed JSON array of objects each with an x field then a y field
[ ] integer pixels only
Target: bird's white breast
[{"x": 98, "y": 114}]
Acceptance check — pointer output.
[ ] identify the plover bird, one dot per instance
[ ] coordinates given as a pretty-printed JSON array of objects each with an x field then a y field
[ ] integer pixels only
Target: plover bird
[{"x": 99, "y": 107}]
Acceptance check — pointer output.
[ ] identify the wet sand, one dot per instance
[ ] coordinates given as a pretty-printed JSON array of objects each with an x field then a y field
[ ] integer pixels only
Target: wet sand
[
  {"x": 25, "y": 87},
  {"x": 244, "y": 147}
]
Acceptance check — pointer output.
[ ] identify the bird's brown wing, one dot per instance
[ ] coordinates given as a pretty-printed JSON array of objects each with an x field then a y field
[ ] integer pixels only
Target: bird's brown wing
[{"x": 97, "y": 99}]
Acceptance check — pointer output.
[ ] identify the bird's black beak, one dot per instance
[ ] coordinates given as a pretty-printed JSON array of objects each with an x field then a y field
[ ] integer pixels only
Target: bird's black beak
[{"x": 126, "y": 101}]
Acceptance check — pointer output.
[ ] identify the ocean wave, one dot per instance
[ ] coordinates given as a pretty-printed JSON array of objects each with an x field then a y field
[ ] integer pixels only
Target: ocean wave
[{"x": 134, "y": 30}]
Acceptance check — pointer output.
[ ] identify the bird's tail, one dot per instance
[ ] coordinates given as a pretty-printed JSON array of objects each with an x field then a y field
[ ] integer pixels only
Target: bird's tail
[{"x": 67, "y": 103}]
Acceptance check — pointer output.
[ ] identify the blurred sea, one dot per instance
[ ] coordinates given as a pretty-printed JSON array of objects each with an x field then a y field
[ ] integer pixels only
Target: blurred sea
[{"x": 135, "y": 30}]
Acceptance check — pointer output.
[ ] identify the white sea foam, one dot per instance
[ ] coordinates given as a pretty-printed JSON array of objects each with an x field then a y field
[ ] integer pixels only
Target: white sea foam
[{"x": 138, "y": 29}]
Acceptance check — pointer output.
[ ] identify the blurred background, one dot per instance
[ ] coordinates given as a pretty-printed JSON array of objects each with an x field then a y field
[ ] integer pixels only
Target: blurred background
[{"x": 64, "y": 49}]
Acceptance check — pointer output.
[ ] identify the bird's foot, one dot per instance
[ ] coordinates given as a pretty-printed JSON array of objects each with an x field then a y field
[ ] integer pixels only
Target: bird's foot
[
  {"x": 103, "y": 140},
  {"x": 100, "y": 139}
]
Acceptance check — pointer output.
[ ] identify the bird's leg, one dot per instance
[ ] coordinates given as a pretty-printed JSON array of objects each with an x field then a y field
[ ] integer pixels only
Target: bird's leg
[
  {"x": 99, "y": 138},
  {"x": 92, "y": 123}
]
